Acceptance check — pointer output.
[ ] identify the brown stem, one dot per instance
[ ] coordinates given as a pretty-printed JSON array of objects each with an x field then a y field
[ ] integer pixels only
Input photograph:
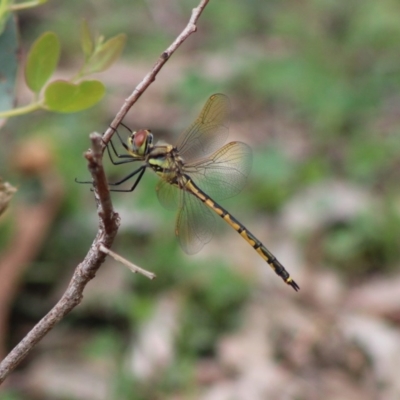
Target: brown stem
[{"x": 108, "y": 219}]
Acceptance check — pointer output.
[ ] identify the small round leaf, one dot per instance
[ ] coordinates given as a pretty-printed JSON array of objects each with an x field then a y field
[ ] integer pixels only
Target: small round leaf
[
  {"x": 66, "y": 97},
  {"x": 106, "y": 54},
  {"x": 42, "y": 61}
]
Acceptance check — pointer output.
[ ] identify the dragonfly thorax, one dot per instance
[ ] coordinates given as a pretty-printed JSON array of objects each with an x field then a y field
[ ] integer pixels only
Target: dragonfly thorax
[
  {"x": 165, "y": 162},
  {"x": 140, "y": 143}
]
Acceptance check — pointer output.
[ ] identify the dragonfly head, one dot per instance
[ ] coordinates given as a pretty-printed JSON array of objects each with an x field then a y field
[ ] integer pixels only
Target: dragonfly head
[{"x": 140, "y": 142}]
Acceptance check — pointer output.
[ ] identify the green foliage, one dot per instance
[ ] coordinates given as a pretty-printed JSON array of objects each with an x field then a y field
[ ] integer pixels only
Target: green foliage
[
  {"x": 366, "y": 245},
  {"x": 86, "y": 40},
  {"x": 100, "y": 56},
  {"x": 324, "y": 69},
  {"x": 213, "y": 306},
  {"x": 368, "y": 158},
  {"x": 104, "y": 344},
  {"x": 106, "y": 54},
  {"x": 10, "y": 395},
  {"x": 272, "y": 181},
  {"x": 75, "y": 94},
  {"x": 8, "y": 63},
  {"x": 62, "y": 96},
  {"x": 42, "y": 61},
  {"x": 4, "y": 14}
]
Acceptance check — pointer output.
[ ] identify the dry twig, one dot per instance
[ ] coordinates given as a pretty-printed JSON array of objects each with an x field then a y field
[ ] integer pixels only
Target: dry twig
[
  {"x": 108, "y": 219},
  {"x": 132, "y": 267}
]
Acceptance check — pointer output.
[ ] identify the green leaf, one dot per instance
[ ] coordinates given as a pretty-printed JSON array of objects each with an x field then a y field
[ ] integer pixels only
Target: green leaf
[
  {"x": 66, "y": 97},
  {"x": 4, "y": 13},
  {"x": 42, "y": 61},
  {"x": 8, "y": 64},
  {"x": 86, "y": 40},
  {"x": 106, "y": 54}
]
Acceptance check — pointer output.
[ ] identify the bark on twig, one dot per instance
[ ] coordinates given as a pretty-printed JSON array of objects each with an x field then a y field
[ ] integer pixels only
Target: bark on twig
[
  {"x": 108, "y": 219},
  {"x": 132, "y": 267}
]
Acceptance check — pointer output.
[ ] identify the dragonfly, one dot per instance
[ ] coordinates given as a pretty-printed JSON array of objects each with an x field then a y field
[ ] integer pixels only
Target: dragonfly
[{"x": 194, "y": 173}]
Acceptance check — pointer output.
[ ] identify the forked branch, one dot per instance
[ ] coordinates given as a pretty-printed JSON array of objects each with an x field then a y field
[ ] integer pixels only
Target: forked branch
[{"x": 108, "y": 219}]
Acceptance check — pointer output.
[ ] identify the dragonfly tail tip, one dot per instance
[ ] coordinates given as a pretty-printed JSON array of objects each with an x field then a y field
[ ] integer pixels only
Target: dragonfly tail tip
[{"x": 293, "y": 284}]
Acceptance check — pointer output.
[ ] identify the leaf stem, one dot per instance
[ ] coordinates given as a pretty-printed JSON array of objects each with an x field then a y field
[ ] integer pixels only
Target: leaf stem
[
  {"x": 21, "y": 110},
  {"x": 28, "y": 4}
]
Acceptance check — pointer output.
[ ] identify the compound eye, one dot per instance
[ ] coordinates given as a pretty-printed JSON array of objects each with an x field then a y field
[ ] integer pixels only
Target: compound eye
[{"x": 139, "y": 138}]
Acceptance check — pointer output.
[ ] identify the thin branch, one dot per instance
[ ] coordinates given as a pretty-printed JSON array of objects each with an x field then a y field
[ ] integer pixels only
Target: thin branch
[
  {"x": 84, "y": 272},
  {"x": 132, "y": 267},
  {"x": 108, "y": 219},
  {"x": 151, "y": 76}
]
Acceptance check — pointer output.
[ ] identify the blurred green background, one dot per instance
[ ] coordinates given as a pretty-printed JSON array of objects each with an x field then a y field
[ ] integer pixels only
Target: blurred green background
[{"x": 314, "y": 87}]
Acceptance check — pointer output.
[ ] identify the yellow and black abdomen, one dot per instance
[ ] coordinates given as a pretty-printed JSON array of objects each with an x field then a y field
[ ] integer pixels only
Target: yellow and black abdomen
[{"x": 244, "y": 232}]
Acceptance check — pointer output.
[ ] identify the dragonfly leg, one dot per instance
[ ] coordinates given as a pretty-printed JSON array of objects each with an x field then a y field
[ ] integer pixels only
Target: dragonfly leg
[
  {"x": 119, "y": 137},
  {"x": 125, "y": 146},
  {"x": 127, "y": 157},
  {"x": 83, "y": 182},
  {"x": 139, "y": 171}
]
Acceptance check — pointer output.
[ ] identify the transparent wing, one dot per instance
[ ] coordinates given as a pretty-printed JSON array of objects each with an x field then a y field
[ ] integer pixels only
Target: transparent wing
[
  {"x": 168, "y": 194},
  {"x": 195, "y": 223},
  {"x": 224, "y": 173},
  {"x": 208, "y": 132}
]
